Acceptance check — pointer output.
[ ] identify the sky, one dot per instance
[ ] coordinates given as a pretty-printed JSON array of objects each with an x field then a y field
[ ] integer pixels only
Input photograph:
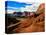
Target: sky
[
  {"x": 22, "y": 5},
  {"x": 13, "y": 5}
]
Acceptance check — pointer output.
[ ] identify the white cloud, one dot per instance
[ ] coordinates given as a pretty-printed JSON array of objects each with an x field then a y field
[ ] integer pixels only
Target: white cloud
[
  {"x": 10, "y": 11},
  {"x": 32, "y": 8},
  {"x": 11, "y": 7}
]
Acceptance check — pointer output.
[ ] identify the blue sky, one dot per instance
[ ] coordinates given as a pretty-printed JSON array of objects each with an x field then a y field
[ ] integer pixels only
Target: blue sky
[
  {"x": 16, "y": 4},
  {"x": 12, "y": 6}
]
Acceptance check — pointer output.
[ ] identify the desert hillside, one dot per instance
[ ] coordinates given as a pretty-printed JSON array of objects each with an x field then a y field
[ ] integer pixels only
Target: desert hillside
[{"x": 34, "y": 23}]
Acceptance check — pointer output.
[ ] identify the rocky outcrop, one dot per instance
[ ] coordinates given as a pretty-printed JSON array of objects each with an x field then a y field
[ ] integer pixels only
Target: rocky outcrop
[{"x": 41, "y": 9}]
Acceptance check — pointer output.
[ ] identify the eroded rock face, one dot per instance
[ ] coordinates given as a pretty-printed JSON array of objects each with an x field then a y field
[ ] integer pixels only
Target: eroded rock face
[{"x": 41, "y": 9}]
